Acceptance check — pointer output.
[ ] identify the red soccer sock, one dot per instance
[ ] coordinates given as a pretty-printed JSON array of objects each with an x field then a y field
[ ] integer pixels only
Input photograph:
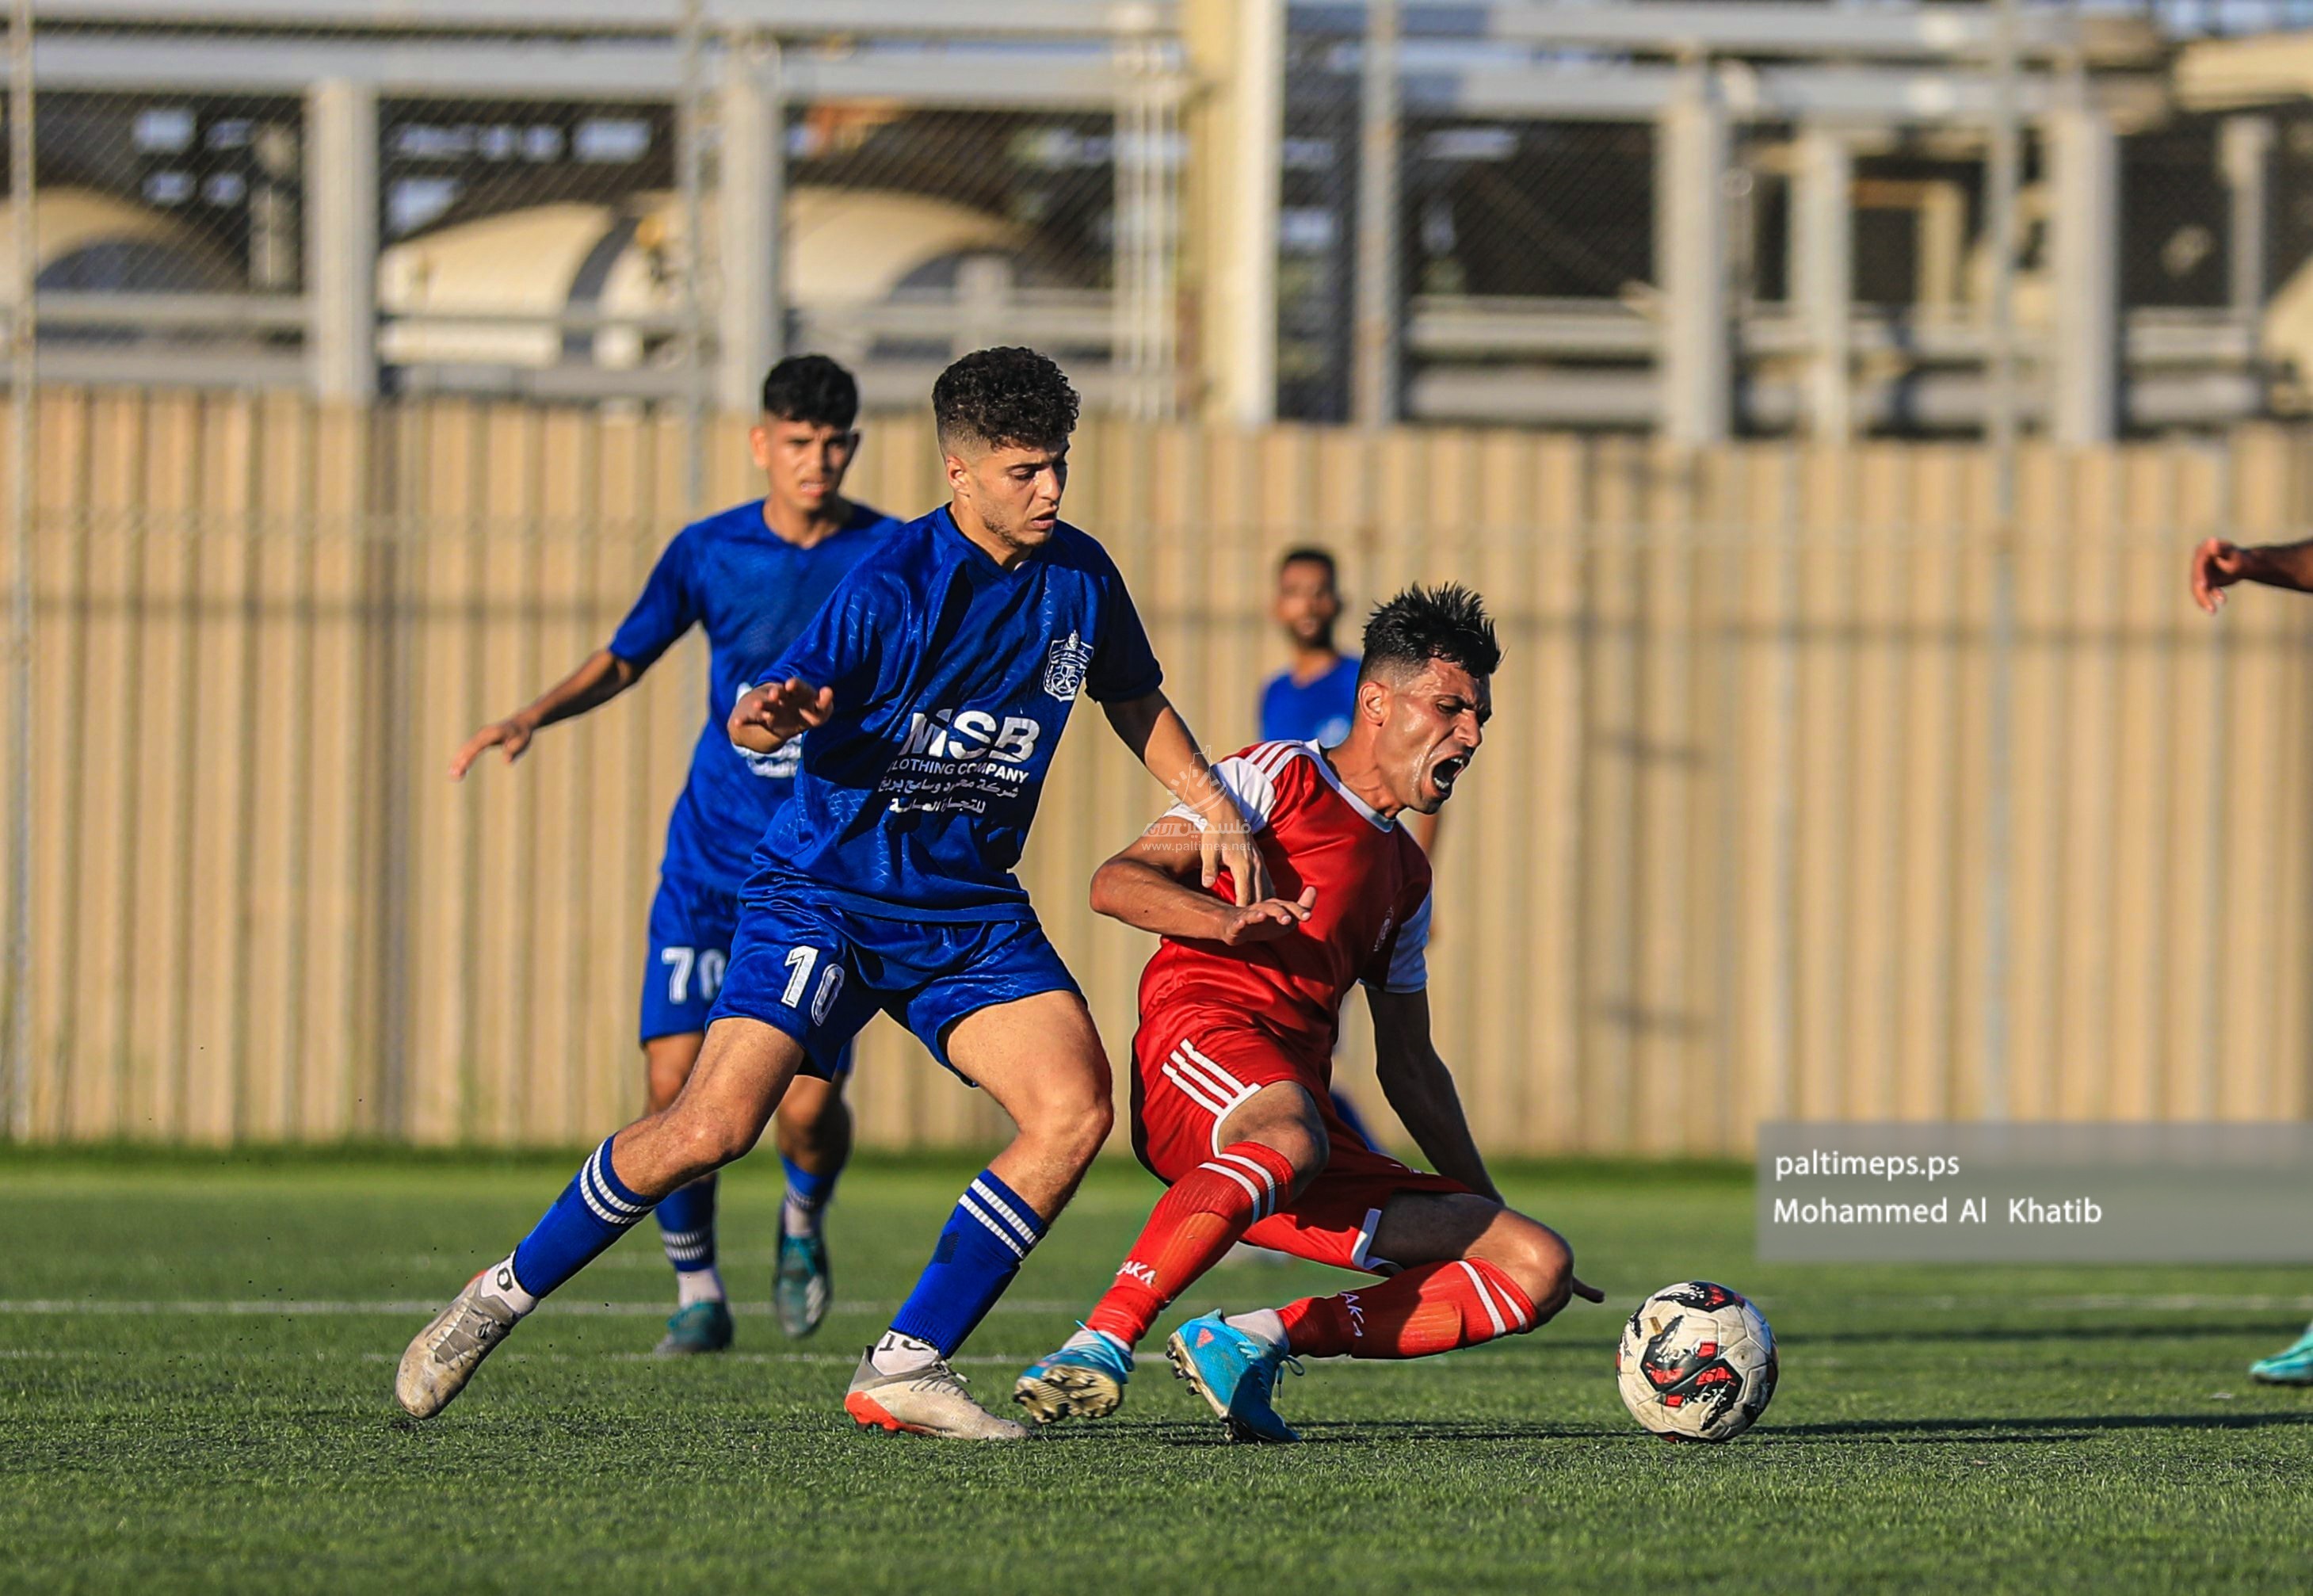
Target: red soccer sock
[
  {"x": 1207, "y": 1212},
  {"x": 1432, "y": 1308}
]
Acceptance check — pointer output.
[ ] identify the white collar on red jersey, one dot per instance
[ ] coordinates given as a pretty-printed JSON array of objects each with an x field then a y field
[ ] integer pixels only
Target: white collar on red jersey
[{"x": 1333, "y": 779}]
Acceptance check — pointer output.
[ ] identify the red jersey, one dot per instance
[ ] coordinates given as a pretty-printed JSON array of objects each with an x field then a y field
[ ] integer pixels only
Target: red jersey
[{"x": 1370, "y": 922}]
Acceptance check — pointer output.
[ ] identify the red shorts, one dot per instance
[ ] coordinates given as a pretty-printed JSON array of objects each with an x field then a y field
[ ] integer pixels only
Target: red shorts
[{"x": 1192, "y": 1068}]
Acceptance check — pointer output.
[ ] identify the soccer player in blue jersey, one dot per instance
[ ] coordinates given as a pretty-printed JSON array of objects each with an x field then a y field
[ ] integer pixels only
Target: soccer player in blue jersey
[
  {"x": 1310, "y": 700},
  {"x": 751, "y": 577},
  {"x": 934, "y": 685}
]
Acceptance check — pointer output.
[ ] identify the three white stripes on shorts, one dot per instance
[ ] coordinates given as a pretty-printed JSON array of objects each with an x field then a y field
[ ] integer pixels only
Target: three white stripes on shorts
[
  {"x": 1207, "y": 1085},
  {"x": 1014, "y": 1231}
]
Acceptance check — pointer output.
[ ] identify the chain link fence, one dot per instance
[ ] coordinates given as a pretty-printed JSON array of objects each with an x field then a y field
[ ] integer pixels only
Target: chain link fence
[{"x": 523, "y": 199}]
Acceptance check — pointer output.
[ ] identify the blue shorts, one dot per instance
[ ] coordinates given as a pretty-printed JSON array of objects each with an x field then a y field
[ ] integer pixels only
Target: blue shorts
[
  {"x": 819, "y": 971},
  {"x": 690, "y": 932}
]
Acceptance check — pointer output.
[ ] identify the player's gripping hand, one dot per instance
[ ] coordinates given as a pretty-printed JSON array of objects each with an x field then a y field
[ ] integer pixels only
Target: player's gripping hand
[
  {"x": 2217, "y": 565},
  {"x": 1267, "y": 921},
  {"x": 1233, "y": 849},
  {"x": 767, "y": 718},
  {"x": 512, "y": 734}
]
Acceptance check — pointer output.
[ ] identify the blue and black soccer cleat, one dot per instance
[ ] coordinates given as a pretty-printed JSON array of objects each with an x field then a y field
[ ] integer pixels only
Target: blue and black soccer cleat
[
  {"x": 1084, "y": 1382},
  {"x": 701, "y": 1328},
  {"x": 2291, "y": 1366},
  {"x": 804, "y": 1285},
  {"x": 1234, "y": 1373}
]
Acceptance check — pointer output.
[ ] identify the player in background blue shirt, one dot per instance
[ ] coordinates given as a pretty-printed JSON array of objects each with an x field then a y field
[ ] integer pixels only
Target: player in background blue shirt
[
  {"x": 753, "y": 577},
  {"x": 1310, "y": 700},
  {"x": 934, "y": 685}
]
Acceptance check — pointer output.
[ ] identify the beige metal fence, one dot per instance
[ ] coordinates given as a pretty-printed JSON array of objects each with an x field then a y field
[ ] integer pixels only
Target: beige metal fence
[{"x": 1724, "y": 856}]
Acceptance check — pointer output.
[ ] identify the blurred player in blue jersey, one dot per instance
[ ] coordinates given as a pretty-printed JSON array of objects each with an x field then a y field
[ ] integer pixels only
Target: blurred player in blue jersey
[
  {"x": 934, "y": 685},
  {"x": 1310, "y": 700},
  {"x": 753, "y": 577}
]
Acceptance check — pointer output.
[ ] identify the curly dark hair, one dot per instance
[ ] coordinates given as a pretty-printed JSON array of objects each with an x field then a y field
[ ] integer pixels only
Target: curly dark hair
[
  {"x": 812, "y": 388},
  {"x": 1004, "y": 397},
  {"x": 1447, "y": 622}
]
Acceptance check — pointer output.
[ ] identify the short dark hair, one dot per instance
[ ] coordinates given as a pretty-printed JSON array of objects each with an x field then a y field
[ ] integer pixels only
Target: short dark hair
[
  {"x": 812, "y": 388},
  {"x": 1447, "y": 622},
  {"x": 1310, "y": 554},
  {"x": 1005, "y": 397}
]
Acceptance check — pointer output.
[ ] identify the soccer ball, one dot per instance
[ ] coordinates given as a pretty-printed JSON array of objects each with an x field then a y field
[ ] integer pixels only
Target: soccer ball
[{"x": 1697, "y": 1363}]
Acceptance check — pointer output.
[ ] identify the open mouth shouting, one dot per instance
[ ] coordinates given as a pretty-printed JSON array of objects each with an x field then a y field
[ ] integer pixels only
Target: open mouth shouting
[{"x": 1446, "y": 772}]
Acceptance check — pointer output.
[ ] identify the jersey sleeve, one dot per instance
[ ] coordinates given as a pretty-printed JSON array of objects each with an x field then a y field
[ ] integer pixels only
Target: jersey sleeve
[
  {"x": 1123, "y": 666},
  {"x": 665, "y": 611},
  {"x": 1405, "y": 965},
  {"x": 1255, "y": 792},
  {"x": 842, "y": 646}
]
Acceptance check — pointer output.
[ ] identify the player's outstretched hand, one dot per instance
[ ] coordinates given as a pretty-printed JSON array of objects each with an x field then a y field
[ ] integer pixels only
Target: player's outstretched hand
[
  {"x": 1268, "y": 920},
  {"x": 776, "y": 713},
  {"x": 1234, "y": 850},
  {"x": 2217, "y": 565},
  {"x": 512, "y": 734}
]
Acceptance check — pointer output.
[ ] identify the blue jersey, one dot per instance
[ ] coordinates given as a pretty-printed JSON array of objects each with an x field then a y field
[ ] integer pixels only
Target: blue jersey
[
  {"x": 952, "y": 678},
  {"x": 755, "y": 592},
  {"x": 1317, "y": 712}
]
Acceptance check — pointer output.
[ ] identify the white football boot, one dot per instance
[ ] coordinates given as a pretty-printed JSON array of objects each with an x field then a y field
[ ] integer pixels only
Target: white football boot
[
  {"x": 927, "y": 1401},
  {"x": 445, "y": 1353}
]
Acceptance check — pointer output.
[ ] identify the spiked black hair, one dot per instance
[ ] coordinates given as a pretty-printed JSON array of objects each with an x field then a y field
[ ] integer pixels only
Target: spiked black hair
[{"x": 1447, "y": 621}]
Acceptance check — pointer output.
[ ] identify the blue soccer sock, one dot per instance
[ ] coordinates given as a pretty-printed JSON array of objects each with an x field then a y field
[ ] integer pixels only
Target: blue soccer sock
[
  {"x": 980, "y": 1251},
  {"x": 595, "y": 1210},
  {"x": 808, "y": 1196},
  {"x": 686, "y": 1224}
]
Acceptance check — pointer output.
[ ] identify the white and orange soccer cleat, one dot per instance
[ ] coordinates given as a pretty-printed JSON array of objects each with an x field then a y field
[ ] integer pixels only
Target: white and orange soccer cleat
[{"x": 927, "y": 1401}]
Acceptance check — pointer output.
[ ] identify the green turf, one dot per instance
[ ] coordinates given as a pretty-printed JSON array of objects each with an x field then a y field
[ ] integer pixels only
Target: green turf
[{"x": 2026, "y": 1429}]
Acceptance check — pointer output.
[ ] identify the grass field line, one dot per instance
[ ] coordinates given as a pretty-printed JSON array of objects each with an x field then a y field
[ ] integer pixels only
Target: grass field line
[
  {"x": 55, "y": 1354},
  {"x": 65, "y": 1355},
  {"x": 66, "y": 1307}
]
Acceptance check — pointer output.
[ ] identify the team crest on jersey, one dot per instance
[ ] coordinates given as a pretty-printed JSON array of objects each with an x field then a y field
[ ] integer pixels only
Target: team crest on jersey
[{"x": 1065, "y": 666}]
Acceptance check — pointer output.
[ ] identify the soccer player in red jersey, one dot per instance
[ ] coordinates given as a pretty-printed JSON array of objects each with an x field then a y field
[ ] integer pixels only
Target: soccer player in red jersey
[{"x": 1239, "y": 1011}]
